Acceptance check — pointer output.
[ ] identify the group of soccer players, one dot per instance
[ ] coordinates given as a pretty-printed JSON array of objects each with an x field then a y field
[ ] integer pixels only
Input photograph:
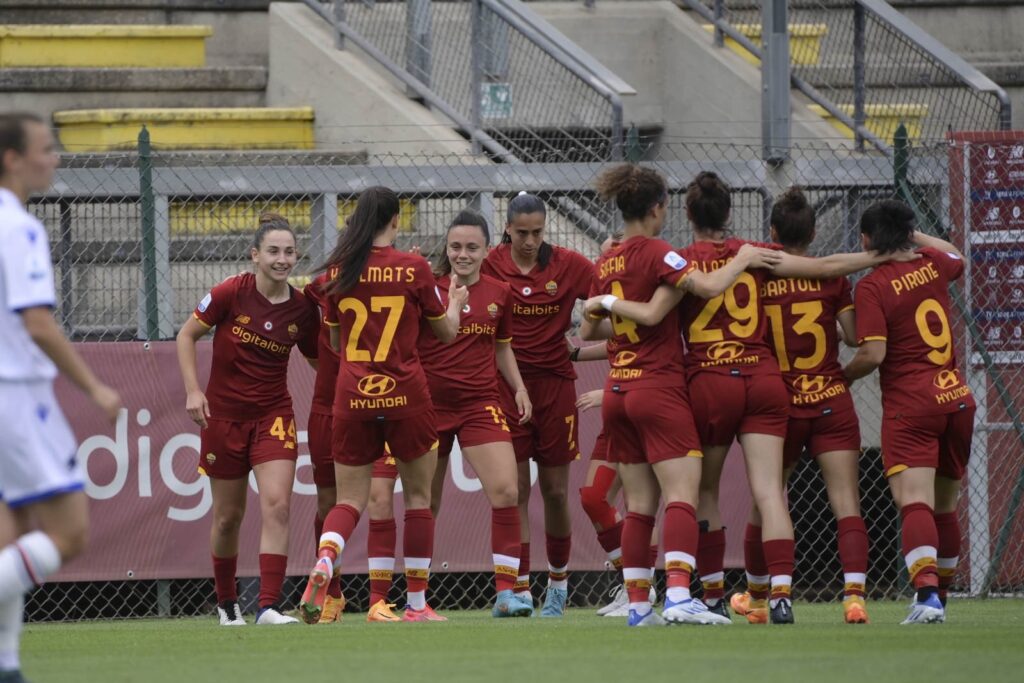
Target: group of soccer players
[{"x": 722, "y": 340}]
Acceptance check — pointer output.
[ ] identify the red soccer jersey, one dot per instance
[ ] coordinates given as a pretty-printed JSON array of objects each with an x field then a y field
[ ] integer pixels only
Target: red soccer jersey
[
  {"x": 642, "y": 357},
  {"x": 802, "y": 320},
  {"x": 379, "y": 317},
  {"x": 542, "y": 304},
  {"x": 726, "y": 334},
  {"x": 328, "y": 360},
  {"x": 906, "y": 305},
  {"x": 466, "y": 369},
  {"x": 249, "y": 375}
]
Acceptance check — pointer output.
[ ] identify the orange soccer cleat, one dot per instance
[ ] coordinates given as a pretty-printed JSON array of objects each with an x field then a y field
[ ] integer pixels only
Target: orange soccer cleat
[
  {"x": 756, "y": 611},
  {"x": 855, "y": 611},
  {"x": 425, "y": 614},
  {"x": 333, "y": 607},
  {"x": 381, "y": 611},
  {"x": 312, "y": 604}
]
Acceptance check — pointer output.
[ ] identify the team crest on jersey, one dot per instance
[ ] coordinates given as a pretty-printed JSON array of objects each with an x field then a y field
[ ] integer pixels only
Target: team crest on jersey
[
  {"x": 293, "y": 330},
  {"x": 725, "y": 350},
  {"x": 268, "y": 326},
  {"x": 211, "y": 458},
  {"x": 492, "y": 310},
  {"x": 946, "y": 379},
  {"x": 527, "y": 291},
  {"x": 551, "y": 288},
  {"x": 811, "y": 384},
  {"x": 623, "y": 358},
  {"x": 376, "y": 385},
  {"x": 243, "y": 319}
]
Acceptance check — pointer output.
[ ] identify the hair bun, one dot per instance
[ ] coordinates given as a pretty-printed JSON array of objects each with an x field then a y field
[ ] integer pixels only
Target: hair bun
[{"x": 522, "y": 192}]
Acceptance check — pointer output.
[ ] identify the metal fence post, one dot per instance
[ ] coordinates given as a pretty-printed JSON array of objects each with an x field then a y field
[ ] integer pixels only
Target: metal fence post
[
  {"x": 323, "y": 229},
  {"x": 150, "y": 323},
  {"x": 65, "y": 260},
  {"x": 719, "y": 14},
  {"x": 859, "y": 93},
  {"x": 476, "y": 69},
  {"x": 775, "y": 125},
  {"x": 418, "y": 40},
  {"x": 338, "y": 12}
]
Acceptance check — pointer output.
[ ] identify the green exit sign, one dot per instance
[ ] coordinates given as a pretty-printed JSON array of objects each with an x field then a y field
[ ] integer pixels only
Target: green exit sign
[{"x": 495, "y": 100}]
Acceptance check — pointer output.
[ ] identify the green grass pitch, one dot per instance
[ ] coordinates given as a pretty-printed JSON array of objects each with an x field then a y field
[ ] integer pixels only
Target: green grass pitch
[{"x": 983, "y": 641}]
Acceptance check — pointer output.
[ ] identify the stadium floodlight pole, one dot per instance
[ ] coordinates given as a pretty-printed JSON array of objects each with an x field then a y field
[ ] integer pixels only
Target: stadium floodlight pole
[{"x": 775, "y": 104}]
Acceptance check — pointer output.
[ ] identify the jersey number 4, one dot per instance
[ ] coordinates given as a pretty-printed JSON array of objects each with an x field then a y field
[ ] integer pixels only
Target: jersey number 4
[{"x": 378, "y": 304}]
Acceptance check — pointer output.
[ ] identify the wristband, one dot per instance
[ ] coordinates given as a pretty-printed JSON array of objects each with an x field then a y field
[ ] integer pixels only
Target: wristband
[
  {"x": 574, "y": 355},
  {"x": 607, "y": 300}
]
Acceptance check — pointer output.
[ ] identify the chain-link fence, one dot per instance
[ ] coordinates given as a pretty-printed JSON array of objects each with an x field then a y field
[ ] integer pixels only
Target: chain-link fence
[{"x": 131, "y": 265}]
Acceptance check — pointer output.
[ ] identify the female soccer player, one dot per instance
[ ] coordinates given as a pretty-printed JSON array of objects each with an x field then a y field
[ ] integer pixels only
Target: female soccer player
[
  {"x": 802, "y": 316},
  {"x": 546, "y": 281},
  {"x": 246, "y": 416},
  {"x": 320, "y": 431},
  {"x": 646, "y": 408},
  {"x": 375, "y": 304},
  {"x": 927, "y": 410},
  {"x": 736, "y": 386}
]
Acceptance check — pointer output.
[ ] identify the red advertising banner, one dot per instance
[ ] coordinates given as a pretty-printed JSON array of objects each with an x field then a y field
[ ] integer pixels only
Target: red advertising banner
[{"x": 150, "y": 508}]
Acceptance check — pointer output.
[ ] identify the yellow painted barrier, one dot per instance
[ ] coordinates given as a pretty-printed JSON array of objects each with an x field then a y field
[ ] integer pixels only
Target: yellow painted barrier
[
  {"x": 101, "y": 130},
  {"x": 880, "y": 119},
  {"x": 103, "y": 45},
  {"x": 804, "y": 42},
  {"x": 196, "y": 217}
]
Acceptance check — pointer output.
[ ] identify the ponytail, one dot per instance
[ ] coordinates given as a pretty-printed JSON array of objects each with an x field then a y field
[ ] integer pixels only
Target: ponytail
[{"x": 376, "y": 208}]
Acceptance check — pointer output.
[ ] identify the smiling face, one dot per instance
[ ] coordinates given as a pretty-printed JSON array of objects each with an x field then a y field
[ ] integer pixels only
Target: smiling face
[
  {"x": 276, "y": 256},
  {"x": 467, "y": 248},
  {"x": 527, "y": 234}
]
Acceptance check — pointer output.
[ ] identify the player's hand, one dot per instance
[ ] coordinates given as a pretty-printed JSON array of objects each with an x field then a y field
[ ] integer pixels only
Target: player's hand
[
  {"x": 902, "y": 256},
  {"x": 415, "y": 249},
  {"x": 197, "y": 408},
  {"x": 524, "y": 406},
  {"x": 593, "y": 307},
  {"x": 107, "y": 400},
  {"x": 757, "y": 257},
  {"x": 457, "y": 295},
  {"x": 591, "y": 399}
]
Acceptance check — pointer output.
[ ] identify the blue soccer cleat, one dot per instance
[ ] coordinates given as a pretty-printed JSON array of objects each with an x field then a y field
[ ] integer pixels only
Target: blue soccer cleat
[
  {"x": 652, "y": 618},
  {"x": 928, "y": 611},
  {"x": 691, "y": 611},
  {"x": 554, "y": 602},
  {"x": 506, "y": 604}
]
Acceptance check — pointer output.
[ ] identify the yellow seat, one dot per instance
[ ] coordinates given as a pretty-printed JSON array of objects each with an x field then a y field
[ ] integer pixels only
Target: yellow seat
[
  {"x": 804, "y": 42},
  {"x": 100, "y": 45},
  {"x": 880, "y": 119}
]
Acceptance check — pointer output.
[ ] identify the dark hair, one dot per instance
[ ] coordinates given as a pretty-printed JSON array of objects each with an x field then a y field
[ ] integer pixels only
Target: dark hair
[
  {"x": 464, "y": 217},
  {"x": 270, "y": 222},
  {"x": 377, "y": 206},
  {"x": 708, "y": 201},
  {"x": 889, "y": 224},
  {"x": 524, "y": 202},
  {"x": 793, "y": 218},
  {"x": 635, "y": 189},
  {"x": 13, "y": 134}
]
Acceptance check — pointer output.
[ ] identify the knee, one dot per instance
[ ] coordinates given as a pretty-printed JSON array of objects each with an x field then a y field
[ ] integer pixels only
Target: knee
[
  {"x": 228, "y": 520},
  {"x": 71, "y": 541},
  {"x": 380, "y": 507},
  {"x": 506, "y": 495},
  {"x": 276, "y": 512},
  {"x": 555, "y": 496}
]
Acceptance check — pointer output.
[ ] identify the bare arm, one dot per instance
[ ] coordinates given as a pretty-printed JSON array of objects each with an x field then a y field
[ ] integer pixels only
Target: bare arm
[
  {"x": 593, "y": 329},
  {"x": 591, "y": 352},
  {"x": 848, "y": 327},
  {"x": 647, "y": 313},
  {"x": 447, "y": 328},
  {"x": 49, "y": 337},
  {"x": 196, "y": 404},
  {"x": 827, "y": 267},
  {"x": 710, "y": 285},
  {"x": 923, "y": 240},
  {"x": 869, "y": 356},
  {"x": 510, "y": 371}
]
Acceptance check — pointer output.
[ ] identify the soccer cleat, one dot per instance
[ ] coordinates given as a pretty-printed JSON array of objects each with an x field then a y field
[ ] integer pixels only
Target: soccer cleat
[
  {"x": 554, "y": 602},
  {"x": 781, "y": 613},
  {"x": 691, "y": 611},
  {"x": 312, "y": 603},
  {"x": 425, "y": 614},
  {"x": 333, "y": 607},
  {"x": 507, "y": 605},
  {"x": 13, "y": 676},
  {"x": 619, "y": 600},
  {"x": 652, "y": 618},
  {"x": 720, "y": 609},
  {"x": 854, "y": 610},
  {"x": 928, "y": 611},
  {"x": 272, "y": 616},
  {"x": 755, "y": 611},
  {"x": 230, "y": 614},
  {"x": 381, "y": 611},
  {"x": 740, "y": 603}
]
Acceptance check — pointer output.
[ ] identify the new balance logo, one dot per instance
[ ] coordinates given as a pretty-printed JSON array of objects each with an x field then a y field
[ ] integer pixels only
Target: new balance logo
[{"x": 243, "y": 319}]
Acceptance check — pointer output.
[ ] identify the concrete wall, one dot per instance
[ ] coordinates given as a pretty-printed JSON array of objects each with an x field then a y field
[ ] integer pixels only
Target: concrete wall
[
  {"x": 682, "y": 82},
  {"x": 356, "y": 107}
]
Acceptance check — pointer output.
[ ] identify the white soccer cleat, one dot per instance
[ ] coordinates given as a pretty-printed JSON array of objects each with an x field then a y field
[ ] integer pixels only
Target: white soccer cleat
[
  {"x": 692, "y": 611},
  {"x": 928, "y": 612},
  {"x": 652, "y": 618},
  {"x": 230, "y": 614},
  {"x": 271, "y": 616},
  {"x": 619, "y": 600}
]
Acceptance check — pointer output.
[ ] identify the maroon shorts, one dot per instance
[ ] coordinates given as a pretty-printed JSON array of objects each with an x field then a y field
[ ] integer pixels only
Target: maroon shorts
[
  {"x": 229, "y": 449},
  {"x": 836, "y": 431},
  {"x": 319, "y": 438},
  {"x": 474, "y": 425},
  {"x": 649, "y": 425},
  {"x": 360, "y": 442},
  {"x": 942, "y": 442},
  {"x": 600, "y": 452},
  {"x": 725, "y": 406},
  {"x": 385, "y": 467},
  {"x": 552, "y": 437}
]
